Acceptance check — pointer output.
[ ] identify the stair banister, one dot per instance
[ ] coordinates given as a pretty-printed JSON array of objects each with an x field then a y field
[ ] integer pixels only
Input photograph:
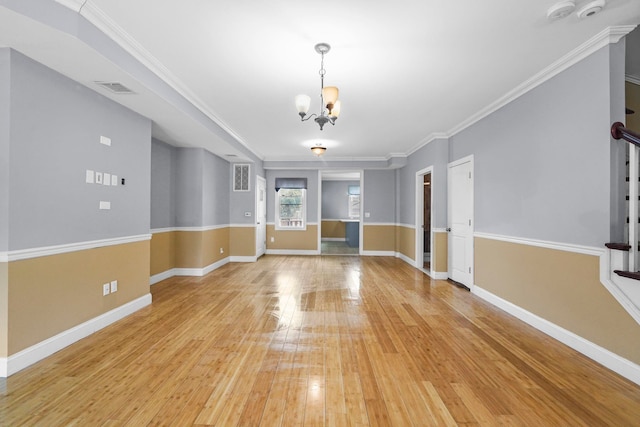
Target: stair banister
[{"x": 618, "y": 131}]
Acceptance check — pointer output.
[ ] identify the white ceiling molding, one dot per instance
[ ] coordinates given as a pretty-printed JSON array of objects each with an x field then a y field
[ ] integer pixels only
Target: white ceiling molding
[
  {"x": 605, "y": 37},
  {"x": 632, "y": 79},
  {"x": 104, "y": 23}
]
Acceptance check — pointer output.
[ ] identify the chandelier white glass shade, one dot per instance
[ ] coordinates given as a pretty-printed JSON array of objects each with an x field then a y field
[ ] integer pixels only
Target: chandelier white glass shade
[{"x": 329, "y": 102}]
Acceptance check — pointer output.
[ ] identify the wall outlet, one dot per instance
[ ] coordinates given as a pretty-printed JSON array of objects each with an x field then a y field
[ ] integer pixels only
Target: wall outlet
[
  {"x": 247, "y": 214},
  {"x": 273, "y": 239},
  {"x": 105, "y": 289},
  {"x": 114, "y": 286},
  {"x": 221, "y": 250},
  {"x": 367, "y": 214}
]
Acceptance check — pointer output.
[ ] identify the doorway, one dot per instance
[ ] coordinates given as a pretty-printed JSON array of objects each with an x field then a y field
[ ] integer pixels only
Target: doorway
[
  {"x": 424, "y": 201},
  {"x": 261, "y": 216},
  {"x": 340, "y": 211}
]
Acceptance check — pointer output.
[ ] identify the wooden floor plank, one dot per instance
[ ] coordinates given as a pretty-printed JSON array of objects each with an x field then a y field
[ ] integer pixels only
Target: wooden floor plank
[{"x": 317, "y": 341}]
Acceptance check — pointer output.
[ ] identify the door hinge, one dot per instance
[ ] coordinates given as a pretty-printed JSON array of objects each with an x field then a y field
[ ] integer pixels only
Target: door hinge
[
  {"x": 469, "y": 270},
  {"x": 469, "y": 222}
]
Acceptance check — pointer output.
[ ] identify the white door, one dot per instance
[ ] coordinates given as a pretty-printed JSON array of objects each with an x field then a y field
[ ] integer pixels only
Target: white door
[
  {"x": 460, "y": 218},
  {"x": 261, "y": 216}
]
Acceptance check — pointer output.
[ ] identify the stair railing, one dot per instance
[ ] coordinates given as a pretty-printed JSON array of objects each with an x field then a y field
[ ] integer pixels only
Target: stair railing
[{"x": 618, "y": 131}]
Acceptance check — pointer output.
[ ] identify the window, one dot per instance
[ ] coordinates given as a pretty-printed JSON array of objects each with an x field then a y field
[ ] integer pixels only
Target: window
[
  {"x": 291, "y": 208},
  {"x": 354, "y": 201}
]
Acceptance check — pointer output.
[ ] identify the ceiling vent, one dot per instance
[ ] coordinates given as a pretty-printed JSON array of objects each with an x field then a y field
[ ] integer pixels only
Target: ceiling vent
[{"x": 115, "y": 87}]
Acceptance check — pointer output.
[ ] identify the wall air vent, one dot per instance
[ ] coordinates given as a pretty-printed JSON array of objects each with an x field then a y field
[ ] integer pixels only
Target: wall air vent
[
  {"x": 240, "y": 177},
  {"x": 115, "y": 87}
]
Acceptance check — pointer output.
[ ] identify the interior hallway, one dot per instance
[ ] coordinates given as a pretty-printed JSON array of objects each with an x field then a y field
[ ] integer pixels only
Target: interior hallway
[{"x": 313, "y": 340}]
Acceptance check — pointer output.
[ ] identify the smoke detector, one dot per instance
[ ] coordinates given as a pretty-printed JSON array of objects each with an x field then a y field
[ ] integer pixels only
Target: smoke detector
[
  {"x": 590, "y": 9},
  {"x": 560, "y": 10}
]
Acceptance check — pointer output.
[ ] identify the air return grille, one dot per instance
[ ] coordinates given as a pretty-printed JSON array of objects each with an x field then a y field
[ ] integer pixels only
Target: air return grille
[
  {"x": 240, "y": 177},
  {"x": 115, "y": 87}
]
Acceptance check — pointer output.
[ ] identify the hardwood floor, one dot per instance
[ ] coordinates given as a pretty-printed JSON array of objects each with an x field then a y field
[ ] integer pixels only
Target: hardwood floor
[{"x": 317, "y": 341}]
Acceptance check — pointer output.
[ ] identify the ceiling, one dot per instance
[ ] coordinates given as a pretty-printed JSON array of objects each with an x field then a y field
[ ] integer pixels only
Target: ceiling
[{"x": 223, "y": 74}]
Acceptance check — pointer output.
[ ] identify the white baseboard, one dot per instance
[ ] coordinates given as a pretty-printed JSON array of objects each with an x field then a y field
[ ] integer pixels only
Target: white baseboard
[
  {"x": 439, "y": 275},
  {"x": 18, "y": 361},
  {"x": 618, "y": 364},
  {"x": 292, "y": 252},
  {"x": 243, "y": 259},
  {"x": 406, "y": 259},
  {"x": 161, "y": 276},
  {"x": 378, "y": 253},
  {"x": 198, "y": 272}
]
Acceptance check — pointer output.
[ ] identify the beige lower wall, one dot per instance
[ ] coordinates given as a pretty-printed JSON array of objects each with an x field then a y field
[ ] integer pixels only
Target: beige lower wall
[
  {"x": 51, "y": 294},
  {"x": 199, "y": 249},
  {"x": 215, "y": 246},
  {"x": 379, "y": 238},
  {"x": 333, "y": 230},
  {"x": 406, "y": 241},
  {"x": 4, "y": 308},
  {"x": 242, "y": 241},
  {"x": 440, "y": 252},
  {"x": 561, "y": 287},
  {"x": 293, "y": 239},
  {"x": 163, "y": 252}
]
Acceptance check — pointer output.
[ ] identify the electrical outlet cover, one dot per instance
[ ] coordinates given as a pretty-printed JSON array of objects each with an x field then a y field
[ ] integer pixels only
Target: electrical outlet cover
[
  {"x": 105, "y": 289},
  {"x": 114, "y": 286}
]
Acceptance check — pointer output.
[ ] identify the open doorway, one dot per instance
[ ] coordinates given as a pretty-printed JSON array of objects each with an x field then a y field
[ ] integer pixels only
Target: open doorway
[
  {"x": 340, "y": 213},
  {"x": 426, "y": 218},
  {"x": 424, "y": 231}
]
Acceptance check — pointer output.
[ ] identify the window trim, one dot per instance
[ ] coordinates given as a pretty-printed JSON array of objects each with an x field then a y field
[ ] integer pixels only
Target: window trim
[{"x": 304, "y": 211}]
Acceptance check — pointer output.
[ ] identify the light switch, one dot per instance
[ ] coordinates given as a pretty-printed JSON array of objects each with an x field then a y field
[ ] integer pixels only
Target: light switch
[
  {"x": 106, "y": 179},
  {"x": 105, "y": 205},
  {"x": 104, "y": 140},
  {"x": 367, "y": 214},
  {"x": 247, "y": 214},
  {"x": 89, "y": 177},
  {"x": 114, "y": 286},
  {"x": 114, "y": 180},
  {"x": 98, "y": 177}
]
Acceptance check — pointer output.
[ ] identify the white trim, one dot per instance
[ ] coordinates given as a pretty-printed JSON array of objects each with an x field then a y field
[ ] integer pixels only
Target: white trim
[
  {"x": 292, "y": 252},
  {"x": 69, "y": 247},
  {"x": 111, "y": 29},
  {"x": 385, "y": 224},
  {"x": 406, "y": 259},
  {"x": 411, "y": 226},
  {"x": 439, "y": 275},
  {"x": 201, "y": 271},
  {"x": 242, "y": 225},
  {"x": 439, "y": 230},
  {"x": 378, "y": 253},
  {"x": 587, "y": 250},
  {"x": 243, "y": 258},
  {"x": 632, "y": 79},
  {"x": 333, "y": 239},
  {"x": 607, "y": 36},
  {"x": 162, "y": 230},
  {"x": 419, "y": 214},
  {"x": 18, "y": 361},
  {"x": 161, "y": 276},
  {"x": 618, "y": 364}
]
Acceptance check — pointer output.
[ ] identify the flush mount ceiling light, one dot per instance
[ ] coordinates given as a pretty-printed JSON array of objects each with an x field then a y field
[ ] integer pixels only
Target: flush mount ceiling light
[
  {"x": 560, "y": 10},
  {"x": 590, "y": 9},
  {"x": 318, "y": 150},
  {"x": 329, "y": 102}
]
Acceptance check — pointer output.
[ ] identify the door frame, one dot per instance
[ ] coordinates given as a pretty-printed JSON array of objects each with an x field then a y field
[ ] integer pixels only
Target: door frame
[
  {"x": 419, "y": 244},
  {"x": 467, "y": 159},
  {"x": 258, "y": 225}
]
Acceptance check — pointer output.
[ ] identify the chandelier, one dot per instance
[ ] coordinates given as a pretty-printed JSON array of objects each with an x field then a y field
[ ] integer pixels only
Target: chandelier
[{"x": 329, "y": 102}]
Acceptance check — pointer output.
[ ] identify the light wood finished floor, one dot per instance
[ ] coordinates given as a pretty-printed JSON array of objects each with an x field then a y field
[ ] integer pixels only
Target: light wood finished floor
[{"x": 318, "y": 341}]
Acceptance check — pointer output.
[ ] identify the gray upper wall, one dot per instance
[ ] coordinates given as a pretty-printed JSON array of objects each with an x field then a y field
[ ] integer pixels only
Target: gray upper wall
[
  {"x": 435, "y": 154},
  {"x": 216, "y": 186},
  {"x": 55, "y": 128},
  {"x": 189, "y": 187},
  {"x": 379, "y": 196},
  {"x": 163, "y": 185},
  {"x": 542, "y": 162},
  {"x": 335, "y": 199},
  {"x": 312, "y": 191},
  {"x": 4, "y": 148}
]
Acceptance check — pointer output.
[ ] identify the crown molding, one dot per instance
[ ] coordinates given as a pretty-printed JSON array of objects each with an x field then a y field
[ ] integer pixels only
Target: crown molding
[
  {"x": 605, "y": 37},
  {"x": 111, "y": 29}
]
